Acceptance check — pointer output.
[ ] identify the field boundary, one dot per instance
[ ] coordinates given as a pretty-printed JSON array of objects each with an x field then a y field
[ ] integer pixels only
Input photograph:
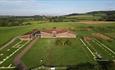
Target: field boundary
[
  {"x": 88, "y": 48},
  {"x": 17, "y": 59},
  {"x": 106, "y": 47},
  {"x": 11, "y": 41},
  {"x": 12, "y": 53}
]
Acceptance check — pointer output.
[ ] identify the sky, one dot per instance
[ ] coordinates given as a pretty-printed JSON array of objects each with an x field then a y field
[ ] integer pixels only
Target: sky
[{"x": 53, "y": 7}]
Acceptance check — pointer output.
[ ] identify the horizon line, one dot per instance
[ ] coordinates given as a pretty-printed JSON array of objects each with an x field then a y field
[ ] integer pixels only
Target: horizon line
[{"x": 57, "y": 15}]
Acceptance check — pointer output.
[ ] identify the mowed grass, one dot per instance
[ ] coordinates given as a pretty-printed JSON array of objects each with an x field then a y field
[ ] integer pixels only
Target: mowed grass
[{"x": 51, "y": 54}]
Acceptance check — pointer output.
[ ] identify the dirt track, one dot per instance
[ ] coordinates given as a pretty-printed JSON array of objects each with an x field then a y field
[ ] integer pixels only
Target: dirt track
[{"x": 17, "y": 60}]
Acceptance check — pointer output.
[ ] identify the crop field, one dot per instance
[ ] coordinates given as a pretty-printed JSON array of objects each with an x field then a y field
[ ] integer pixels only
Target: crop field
[{"x": 92, "y": 42}]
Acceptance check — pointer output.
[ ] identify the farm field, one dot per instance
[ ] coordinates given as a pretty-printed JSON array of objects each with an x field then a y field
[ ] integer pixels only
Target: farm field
[{"x": 54, "y": 52}]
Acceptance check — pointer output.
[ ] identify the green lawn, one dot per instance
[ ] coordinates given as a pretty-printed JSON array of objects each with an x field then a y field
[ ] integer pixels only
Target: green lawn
[
  {"x": 53, "y": 54},
  {"x": 7, "y": 33}
]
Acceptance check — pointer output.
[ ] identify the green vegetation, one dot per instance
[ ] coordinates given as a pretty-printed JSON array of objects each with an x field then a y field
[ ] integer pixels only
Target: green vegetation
[
  {"x": 7, "y": 33},
  {"x": 90, "y": 16},
  {"x": 70, "y": 53},
  {"x": 53, "y": 54}
]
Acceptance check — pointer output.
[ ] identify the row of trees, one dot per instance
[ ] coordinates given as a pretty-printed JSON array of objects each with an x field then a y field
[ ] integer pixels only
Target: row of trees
[
  {"x": 108, "y": 17},
  {"x": 14, "y": 21},
  {"x": 104, "y": 15},
  {"x": 100, "y": 17},
  {"x": 19, "y": 20},
  {"x": 11, "y": 21}
]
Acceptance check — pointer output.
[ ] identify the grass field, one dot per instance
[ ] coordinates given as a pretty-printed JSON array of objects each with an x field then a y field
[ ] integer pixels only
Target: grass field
[
  {"x": 59, "y": 54},
  {"x": 9, "y": 53}
]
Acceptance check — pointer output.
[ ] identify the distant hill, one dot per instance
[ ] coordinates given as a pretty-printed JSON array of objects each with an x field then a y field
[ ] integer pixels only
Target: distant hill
[
  {"x": 93, "y": 16},
  {"x": 73, "y": 14},
  {"x": 6, "y": 20},
  {"x": 102, "y": 12},
  {"x": 92, "y": 13}
]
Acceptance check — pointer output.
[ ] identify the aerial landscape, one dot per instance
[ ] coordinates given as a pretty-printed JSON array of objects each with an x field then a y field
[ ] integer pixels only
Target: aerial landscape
[{"x": 57, "y": 35}]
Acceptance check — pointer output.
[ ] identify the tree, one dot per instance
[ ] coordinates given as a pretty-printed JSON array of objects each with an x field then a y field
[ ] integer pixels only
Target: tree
[{"x": 108, "y": 17}]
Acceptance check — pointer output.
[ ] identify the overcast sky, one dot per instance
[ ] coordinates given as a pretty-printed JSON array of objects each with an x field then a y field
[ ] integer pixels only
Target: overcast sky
[{"x": 53, "y": 7}]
